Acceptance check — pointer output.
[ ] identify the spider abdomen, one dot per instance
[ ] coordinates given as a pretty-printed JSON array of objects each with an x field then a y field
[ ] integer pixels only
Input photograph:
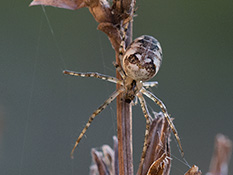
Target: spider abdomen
[{"x": 142, "y": 58}]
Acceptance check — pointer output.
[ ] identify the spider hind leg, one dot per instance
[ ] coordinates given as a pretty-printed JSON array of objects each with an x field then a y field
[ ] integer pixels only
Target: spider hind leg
[
  {"x": 94, "y": 114},
  {"x": 164, "y": 110},
  {"x": 148, "y": 121}
]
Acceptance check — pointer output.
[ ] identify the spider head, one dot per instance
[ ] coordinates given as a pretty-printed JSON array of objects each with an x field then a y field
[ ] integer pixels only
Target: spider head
[{"x": 142, "y": 59}]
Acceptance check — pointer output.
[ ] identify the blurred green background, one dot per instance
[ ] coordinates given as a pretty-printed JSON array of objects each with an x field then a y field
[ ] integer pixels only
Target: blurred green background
[{"x": 42, "y": 111}]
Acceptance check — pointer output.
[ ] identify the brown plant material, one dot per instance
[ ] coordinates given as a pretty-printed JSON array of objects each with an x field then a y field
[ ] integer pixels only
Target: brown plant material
[
  {"x": 158, "y": 167},
  {"x": 221, "y": 156},
  {"x": 158, "y": 151},
  {"x": 105, "y": 161},
  {"x": 112, "y": 32},
  {"x": 99, "y": 167},
  {"x": 100, "y": 9},
  {"x": 66, "y": 4},
  {"x": 157, "y": 160},
  {"x": 108, "y": 17},
  {"x": 194, "y": 170}
]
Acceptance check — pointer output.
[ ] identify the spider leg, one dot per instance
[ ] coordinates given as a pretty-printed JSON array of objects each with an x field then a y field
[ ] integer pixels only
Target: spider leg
[
  {"x": 122, "y": 50},
  {"x": 95, "y": 113},
  {"x": 94, "y": 74},
  {"x": 164, "y": 110},
  {"x": 150, "y": 84},
  {"x": 148, "y": 121},
  {"x": 135, "y": 102},
  {"x": 119, "y": 69},
  {"x": 123, "y": 32}
]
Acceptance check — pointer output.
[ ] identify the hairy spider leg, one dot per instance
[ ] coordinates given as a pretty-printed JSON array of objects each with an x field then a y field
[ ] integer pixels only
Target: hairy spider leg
[
  {"x": 94, "y": 74},
  {"x": 164, "y": 110},
  {"x": 94, "y": 114},
  {"x": 123, "y": 32},
  {"x": 148, "y": 117}
]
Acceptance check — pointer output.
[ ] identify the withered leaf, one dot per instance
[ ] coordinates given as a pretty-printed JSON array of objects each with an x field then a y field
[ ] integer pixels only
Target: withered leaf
[
  {"x": 99, "y": 165},
  {"x": 158, "y": 167},
  {"x": 66, "y": 4}
]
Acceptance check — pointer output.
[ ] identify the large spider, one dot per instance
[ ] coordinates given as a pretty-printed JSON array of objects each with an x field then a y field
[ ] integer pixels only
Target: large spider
[{"x": 140, "y": 62}]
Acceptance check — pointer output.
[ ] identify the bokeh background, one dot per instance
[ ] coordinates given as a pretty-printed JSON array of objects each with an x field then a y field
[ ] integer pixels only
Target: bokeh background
[{"x": 42, "y": 111}]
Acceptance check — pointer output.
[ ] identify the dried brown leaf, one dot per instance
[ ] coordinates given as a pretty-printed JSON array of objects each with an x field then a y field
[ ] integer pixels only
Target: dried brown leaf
[
  {"x": 66, "y": 4},
  {"x": 99, "y": 165},
  {"x": 158, "y": 167},
  {"x": 100, "y": 9},
  {"x": 105, "y": 161},
  {"x": 112, "y": 32}
]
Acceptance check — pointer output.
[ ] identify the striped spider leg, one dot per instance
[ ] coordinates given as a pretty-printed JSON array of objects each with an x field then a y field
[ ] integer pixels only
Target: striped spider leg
[
  {"x": 112, "y": 97},
  {"x": 103, "y": 106},
  {"x": 165, "y": 112}
]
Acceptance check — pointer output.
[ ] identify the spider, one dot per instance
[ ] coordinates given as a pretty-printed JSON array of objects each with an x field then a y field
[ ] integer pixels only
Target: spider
[{"x": 140, "y": 61}]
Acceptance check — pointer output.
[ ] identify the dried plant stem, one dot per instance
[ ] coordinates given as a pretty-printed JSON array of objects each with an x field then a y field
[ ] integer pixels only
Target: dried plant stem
[
  {"x": 124, "y": 125},
  {"x": 124, "y": 131}
]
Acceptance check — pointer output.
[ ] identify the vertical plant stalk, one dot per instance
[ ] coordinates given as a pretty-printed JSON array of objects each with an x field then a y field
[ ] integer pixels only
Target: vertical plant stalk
[{"x": 124, "y": 124}]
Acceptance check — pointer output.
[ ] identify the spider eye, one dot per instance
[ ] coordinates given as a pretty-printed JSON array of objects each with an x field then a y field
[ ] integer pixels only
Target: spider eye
[{"x": 142, "y": 59}]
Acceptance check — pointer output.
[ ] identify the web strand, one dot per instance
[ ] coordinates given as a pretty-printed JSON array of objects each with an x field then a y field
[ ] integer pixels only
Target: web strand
[{"x": 54, "y": 38}]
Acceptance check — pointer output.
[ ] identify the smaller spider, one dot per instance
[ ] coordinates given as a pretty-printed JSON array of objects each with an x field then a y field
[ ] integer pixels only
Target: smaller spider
[{"x": 140, "y": 62}]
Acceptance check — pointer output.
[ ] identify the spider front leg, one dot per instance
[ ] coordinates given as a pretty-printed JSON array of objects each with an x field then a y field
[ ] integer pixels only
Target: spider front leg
[
  {"x": 95, "y": 113},
  {"x": 164, "y": 110},
  {"x": 148, "y": 121},
  {"x": 93, "y": 74}
]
